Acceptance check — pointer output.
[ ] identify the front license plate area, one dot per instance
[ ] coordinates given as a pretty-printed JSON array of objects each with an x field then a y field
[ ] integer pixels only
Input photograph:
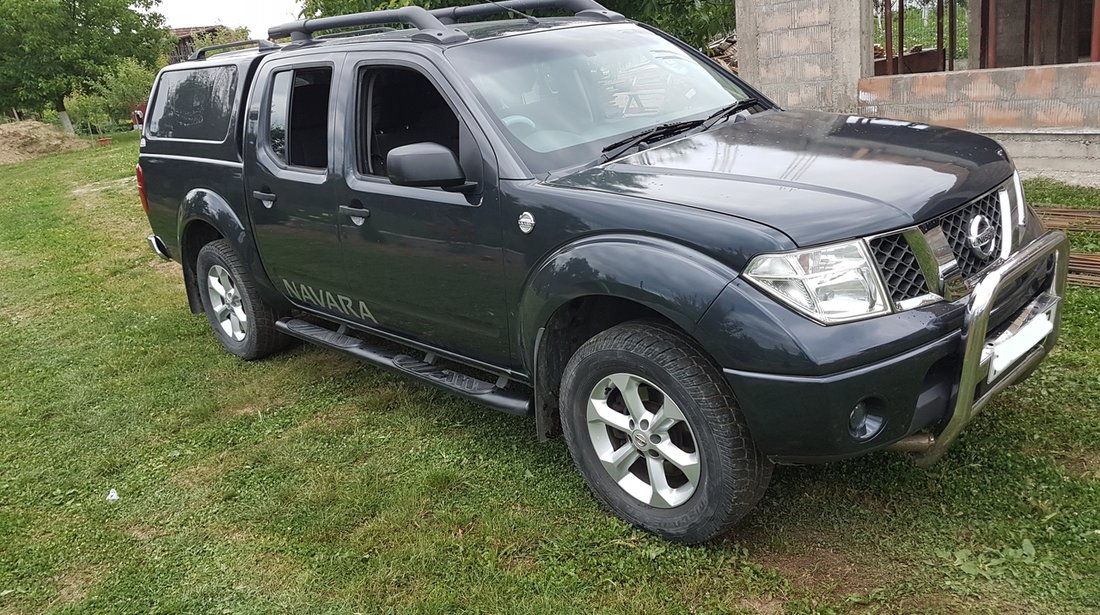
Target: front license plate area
[{"x": 1030, "y": 328}]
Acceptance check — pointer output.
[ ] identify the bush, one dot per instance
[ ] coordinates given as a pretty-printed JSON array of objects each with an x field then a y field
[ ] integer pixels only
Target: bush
[
  {"x": 89, "y": 112},
  {"x": 125, "y": 88}
]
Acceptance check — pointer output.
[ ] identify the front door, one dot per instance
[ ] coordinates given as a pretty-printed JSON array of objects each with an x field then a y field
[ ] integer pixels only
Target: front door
[
  {"x": 291, "y": 188},
  {"x": 427, "y": 261}
]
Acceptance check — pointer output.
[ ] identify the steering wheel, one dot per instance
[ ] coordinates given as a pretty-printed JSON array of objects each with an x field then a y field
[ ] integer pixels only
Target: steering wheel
[{"x": 520, "y": 125}]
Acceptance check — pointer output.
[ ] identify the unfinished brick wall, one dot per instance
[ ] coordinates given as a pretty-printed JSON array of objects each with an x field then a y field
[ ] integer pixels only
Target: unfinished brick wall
[
  {"x": 804, "y": 53},
  {"x": 1065, "y": 96}
]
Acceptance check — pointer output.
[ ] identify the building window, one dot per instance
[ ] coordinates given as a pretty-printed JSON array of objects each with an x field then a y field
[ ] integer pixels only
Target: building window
[{"x": 917, "y": 36}]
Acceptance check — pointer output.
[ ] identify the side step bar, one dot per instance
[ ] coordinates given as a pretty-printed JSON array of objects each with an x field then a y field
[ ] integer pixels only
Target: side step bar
[{"x": 479, "y": 391}]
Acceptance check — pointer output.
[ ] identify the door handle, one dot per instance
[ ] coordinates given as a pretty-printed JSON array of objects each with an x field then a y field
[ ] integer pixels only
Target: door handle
[
  {"x": 266, "y": 198},
  {"x": 357, "y": 214}
]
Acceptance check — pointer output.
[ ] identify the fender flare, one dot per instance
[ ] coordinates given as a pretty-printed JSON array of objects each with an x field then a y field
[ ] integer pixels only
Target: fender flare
[
  {"x": 209, "y": 207},
  {"x": 669, "y": 278},
  {"x": 201, "y": 204}
]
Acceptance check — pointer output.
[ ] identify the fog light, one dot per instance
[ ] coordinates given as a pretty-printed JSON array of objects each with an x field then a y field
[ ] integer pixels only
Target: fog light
[
  {"x": 862, "y": 424},
  {"x": 857, "y": 421}
]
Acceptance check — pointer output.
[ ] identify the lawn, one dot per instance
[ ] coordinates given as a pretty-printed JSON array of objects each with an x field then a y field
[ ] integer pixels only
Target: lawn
[{"x": 311, "y": 483}]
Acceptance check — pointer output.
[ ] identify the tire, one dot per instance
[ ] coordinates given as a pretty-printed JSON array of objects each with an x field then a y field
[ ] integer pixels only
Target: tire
[
  {"x": 247, "y": 328},
  {"x": 696, "y": 501}
]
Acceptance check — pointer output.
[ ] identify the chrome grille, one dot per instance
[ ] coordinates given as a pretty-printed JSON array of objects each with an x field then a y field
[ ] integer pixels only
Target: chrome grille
[
  {"x": 900, "y": 270},
  {"x": 956, "y": 226}
]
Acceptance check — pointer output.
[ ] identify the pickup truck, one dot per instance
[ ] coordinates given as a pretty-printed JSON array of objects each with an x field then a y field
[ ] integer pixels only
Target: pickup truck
[{"x": 584, "y": 220}]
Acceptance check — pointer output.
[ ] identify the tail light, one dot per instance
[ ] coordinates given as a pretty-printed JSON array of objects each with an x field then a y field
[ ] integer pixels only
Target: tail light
[{"x": 141, "y": 189}]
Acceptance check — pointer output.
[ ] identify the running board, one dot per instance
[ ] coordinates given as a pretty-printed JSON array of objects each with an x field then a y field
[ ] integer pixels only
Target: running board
[{"x": 480, "y": 391}]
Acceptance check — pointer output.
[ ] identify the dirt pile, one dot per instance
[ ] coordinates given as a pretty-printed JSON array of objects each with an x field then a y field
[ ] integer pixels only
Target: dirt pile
[{"x": 20, "y": 141}]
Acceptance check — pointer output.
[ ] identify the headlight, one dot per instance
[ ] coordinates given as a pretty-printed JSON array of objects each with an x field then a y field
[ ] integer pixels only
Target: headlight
[{"x": 830, "y": 284}]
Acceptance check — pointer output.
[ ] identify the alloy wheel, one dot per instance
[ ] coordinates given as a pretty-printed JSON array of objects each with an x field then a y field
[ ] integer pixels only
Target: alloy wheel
[
  {"x": 225, "y": 300},
  {"x": 643, "y": 440}
]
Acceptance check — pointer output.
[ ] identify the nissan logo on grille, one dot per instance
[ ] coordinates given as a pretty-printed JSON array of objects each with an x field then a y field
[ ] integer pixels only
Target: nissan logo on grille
[{"x": 981, "y": 237}]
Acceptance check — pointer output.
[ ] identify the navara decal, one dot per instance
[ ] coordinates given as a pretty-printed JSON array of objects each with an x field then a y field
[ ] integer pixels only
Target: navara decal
[{"x": 327, "y": 299}]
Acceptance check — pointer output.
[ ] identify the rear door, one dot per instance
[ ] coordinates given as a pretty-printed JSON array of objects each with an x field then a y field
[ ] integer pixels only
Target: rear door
[
  {"x": 292, "y": 187},
  {"x": 428, "y": 262}
]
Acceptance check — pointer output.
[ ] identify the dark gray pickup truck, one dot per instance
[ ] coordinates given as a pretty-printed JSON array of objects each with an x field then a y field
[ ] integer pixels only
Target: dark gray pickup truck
[{"x": 584, "y": 220}]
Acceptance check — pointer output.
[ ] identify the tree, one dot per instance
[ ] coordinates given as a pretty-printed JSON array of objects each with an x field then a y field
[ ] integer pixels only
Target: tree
[
  {"x": 694, "y": 21},
  {"x": 52, "y": 48},
  {"x": 126, "y": 87},
  {"x": 218, "y": 37}
]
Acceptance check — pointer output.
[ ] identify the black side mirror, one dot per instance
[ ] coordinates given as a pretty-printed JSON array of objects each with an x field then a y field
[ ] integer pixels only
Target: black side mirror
[{"x": 424, "y": 165}]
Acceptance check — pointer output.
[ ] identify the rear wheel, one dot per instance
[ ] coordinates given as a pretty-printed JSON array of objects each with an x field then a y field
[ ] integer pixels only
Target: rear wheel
[
  {"x": 657, "y": 435},
  {"x": 244, "y": 325}
]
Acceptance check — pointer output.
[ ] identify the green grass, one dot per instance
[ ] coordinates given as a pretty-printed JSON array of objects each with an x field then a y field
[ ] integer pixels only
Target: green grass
[
  {"x": 1050, "y": 192},
  {"x": 1043, "y": 192},
  {"x": 917, "y": 32},
  {"x": 311, "y": 483}
]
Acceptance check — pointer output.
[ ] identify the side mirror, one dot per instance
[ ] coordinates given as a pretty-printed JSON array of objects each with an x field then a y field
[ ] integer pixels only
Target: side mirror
[{"x": 424, "y": 165}]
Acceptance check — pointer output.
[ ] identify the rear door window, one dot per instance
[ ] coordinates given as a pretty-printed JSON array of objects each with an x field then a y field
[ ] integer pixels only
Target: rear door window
[
  {"x": 194, "y": 104},
  {"x": 297, "y": 131}
]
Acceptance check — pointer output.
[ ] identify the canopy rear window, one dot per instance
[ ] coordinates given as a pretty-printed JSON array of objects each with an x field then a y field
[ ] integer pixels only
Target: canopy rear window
[{"x": 195, "y": 104}]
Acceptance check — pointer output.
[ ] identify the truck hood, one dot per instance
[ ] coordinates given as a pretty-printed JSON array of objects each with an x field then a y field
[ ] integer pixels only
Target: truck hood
[{"x": 817, "y": 177}]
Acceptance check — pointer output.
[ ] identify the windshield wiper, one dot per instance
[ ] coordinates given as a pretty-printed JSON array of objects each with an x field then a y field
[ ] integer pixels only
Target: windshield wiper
[
  {"x": 618, "y": 148},
  {"x": 729, "y": 110}
]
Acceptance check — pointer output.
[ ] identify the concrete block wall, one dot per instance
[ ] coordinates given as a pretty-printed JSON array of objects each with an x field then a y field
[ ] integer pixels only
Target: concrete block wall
[
  {"x": 1047, "y": 117},
  {"x": 804, "y": 53},
  {"x": 1028, "y": 98},
  {"x": 816, "y": 54}
]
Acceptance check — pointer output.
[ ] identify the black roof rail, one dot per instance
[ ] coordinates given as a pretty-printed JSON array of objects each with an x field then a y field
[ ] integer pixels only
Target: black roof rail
[
  {"x": 585, "y": 9},
  {"x": 433, "y": 24},
  {"x": 362, "y": 32},
  {"x": 431, "y": 29},
  {"x": 200, "y": 54}
]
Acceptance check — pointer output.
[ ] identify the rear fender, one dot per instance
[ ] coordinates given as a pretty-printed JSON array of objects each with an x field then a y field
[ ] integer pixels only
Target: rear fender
[{"x": 203, "y": 206}]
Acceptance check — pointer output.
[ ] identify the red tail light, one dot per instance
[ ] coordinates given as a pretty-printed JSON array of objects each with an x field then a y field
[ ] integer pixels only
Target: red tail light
[{"x": 141, "y": 189}]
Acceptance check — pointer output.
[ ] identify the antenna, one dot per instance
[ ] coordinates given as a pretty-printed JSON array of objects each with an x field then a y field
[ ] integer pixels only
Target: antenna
[{"x": 530, "y": 19}]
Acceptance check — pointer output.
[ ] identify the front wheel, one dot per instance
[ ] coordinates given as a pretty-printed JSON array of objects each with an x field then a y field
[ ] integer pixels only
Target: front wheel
[
  {"x": 657, "y": 435},
  {"x": 243, "y": 323}
]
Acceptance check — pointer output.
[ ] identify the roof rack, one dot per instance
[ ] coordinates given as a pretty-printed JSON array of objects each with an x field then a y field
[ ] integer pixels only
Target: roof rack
[
  {"x": 433, "y": 24},
  {"x": 200, "y": 54},
  {"x": 585, "y": 9},
  {"x": 350, "y": 33},
  {"x": 431, "y": 29}
]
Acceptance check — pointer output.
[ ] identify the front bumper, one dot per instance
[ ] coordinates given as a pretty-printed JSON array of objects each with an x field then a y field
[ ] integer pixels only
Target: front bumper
[
  {"x": 926, "y": 394},
  {"x": 981, "y": 377}
]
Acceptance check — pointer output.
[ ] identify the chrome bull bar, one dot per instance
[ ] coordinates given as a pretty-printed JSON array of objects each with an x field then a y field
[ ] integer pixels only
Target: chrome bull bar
[{"x": 980, "y": 354}]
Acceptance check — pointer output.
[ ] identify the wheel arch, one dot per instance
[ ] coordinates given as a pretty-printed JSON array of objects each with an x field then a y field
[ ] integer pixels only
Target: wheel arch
[
  {"x": 205, "y": 216},
  {"x": 596, "y": 283}
]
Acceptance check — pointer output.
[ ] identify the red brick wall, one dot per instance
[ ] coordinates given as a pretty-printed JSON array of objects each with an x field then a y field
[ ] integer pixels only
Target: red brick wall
[{"x": 1065, "y": 96}]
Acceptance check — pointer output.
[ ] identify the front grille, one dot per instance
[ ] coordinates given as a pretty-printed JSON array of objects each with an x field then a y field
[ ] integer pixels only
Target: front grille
[
  {"x": 896, "y": 259},
  {"x": 900, "y": 269},
  {"x": 956, "y": 226}
]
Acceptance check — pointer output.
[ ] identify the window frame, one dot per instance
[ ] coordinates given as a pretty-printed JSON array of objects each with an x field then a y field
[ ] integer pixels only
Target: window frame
[
  {"x": 158, "y": 95},
  {"x": 362, "y": 121},
  {"x": 263, "y": 136}
]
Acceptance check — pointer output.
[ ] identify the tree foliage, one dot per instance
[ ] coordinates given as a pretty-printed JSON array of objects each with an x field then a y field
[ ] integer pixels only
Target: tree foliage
[
  {"x": 52, "y": 48},
  {"x": 694, "y": 21},
  {"x": 219, "y": 37},
  {"x": 125, "y": 87}
]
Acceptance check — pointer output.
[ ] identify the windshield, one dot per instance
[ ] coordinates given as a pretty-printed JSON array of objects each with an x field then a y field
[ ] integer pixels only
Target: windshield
[{"x": 561, "y": 95}]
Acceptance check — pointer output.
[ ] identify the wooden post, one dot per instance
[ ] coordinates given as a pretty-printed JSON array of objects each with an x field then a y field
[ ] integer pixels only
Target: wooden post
[
  {"x": 888, "y": 18},
  {"x": 952, "y": 34},
  {"x": 1095, "y": 56},
  {"x": 991, "y": 36},
  {"x": 939, "y": 34},
  {"x": 901, "y": 34},
  {"x": 1027, "y": 32}
]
